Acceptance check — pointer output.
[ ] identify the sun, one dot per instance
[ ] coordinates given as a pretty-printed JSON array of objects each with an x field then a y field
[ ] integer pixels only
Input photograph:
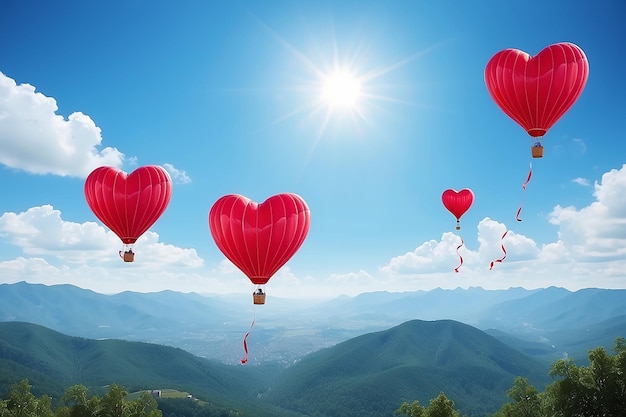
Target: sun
[{"x": 341, "y": 89}]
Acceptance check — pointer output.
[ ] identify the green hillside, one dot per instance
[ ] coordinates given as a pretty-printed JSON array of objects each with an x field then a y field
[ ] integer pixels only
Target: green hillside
[
  {"x": 372, "y": 374},
  {"x": 52, "y": 362}
]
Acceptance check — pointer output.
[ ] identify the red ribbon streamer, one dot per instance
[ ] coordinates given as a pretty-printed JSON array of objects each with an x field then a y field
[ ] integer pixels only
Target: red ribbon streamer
[
  {"x": 460, "y": 257},
  {"x": 503, "y": 250},
  {"x": 519, "y": 210},
  {"x": 245, "y": 343}
]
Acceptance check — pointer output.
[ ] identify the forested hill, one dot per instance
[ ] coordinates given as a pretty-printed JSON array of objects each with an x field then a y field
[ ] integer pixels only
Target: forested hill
[
  {"x": 52, "y": 362},
  {"x": 371, "y": 374}
]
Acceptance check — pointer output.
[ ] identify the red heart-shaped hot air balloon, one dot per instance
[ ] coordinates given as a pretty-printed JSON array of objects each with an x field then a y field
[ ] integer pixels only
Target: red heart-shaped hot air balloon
[
  {"x": 259, "y": 238},
  {"x": 536, "y": 91},
  {"x": 457, "y": 202},
  {"x": 128, "y": 204}
]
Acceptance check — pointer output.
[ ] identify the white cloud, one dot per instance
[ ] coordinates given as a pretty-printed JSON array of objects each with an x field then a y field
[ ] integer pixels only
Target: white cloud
[
  {"x": 431, "y": 256},
  {"x": 35, "y": 139},
  {"x": 596, "y": 232},
  {"x": 589, "y": 251},
  {"x": 108, "y": 279},
  {"x": 441, "y": 256},
  {"x": 356, "y": 278},
  {"x": 178, "y": 176},
  {"x": 41, "y": 232},
  {"x": 581, "y": 181}
]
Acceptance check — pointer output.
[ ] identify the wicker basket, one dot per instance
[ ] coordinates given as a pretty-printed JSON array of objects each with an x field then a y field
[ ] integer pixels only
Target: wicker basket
[
  {"x": 258, "y": 298},
  {"x": 537, "y": 151},
  {"x": 129, "y": 256}
]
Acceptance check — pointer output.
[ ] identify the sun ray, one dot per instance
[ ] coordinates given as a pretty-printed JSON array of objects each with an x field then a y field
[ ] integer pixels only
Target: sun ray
[
  {"x": 379, "y": 72},
  {"x": 301, "y": 56},
  {"x": 341, "y": 86}
]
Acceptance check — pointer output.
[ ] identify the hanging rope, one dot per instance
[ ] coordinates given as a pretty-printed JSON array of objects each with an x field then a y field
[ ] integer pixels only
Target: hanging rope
[
  {"x": 519, "y": 210},
  {"x": 460, "y": 257},
  {"x": 503, "y": 250}
]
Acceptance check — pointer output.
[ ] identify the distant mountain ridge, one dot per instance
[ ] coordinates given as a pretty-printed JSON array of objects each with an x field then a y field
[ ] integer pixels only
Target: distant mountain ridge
[{"x": 547, "y": 323}]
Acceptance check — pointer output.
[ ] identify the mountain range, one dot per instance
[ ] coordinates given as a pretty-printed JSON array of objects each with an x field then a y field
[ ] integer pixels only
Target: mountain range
[
  {"x": 350, "y": 355},
  {"x": 369, "y": 375},
  {"x": 546, "y": 324}
]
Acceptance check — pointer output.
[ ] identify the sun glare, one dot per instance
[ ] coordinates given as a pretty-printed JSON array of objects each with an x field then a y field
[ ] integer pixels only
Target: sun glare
[
  {"x": 341, "y": 90},
  {"x": 345, "y": 88}
]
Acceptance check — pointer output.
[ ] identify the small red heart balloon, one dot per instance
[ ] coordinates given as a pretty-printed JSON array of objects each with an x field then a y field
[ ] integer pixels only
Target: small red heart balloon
[
  {"x": 128, "y": 204},
  {"x": 259, "y": 238},
  {"x": 536, "y": 91},
  {"x": 457, "y": 202}
]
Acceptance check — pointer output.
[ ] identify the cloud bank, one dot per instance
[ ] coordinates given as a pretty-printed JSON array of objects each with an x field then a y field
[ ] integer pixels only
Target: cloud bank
[
  {"x": 35, "y": 139},
  {"x": 590, "y": 252}
]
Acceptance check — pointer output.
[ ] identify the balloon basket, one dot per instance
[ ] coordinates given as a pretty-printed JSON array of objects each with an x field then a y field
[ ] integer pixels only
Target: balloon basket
[
  {"x": 127, "y": 255},
  {"x": 537, "y": 151},
  {"x": 258, "y": 298}
]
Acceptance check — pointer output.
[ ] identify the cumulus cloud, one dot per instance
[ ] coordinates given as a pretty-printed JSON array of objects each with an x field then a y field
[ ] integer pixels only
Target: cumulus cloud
[
  {"x": 178, "y": 176},
  {"x": 41, "y": 232},
  {"x": 438, "y": 256},
  {"x": 35, "y": 139},
  {"x": 107, "y": 279},
  {"x": 431, "y": 256},
  {"x": 596, "y": 232},
  {"x": 590, "y": 250}
]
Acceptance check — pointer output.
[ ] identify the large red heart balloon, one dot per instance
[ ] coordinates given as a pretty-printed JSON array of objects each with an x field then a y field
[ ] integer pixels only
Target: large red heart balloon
[
  {"x": 457, "y": 202},
  {"x": 537, "y": 91},
  {"x": 259, "y": 238},
  {"x": 128, "y": 204}
]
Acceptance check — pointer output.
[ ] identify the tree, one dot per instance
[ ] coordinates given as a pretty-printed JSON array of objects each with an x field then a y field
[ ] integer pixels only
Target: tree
[
  {"x": 3, "y": 408},
  {"x": 415, "y": 409},
  {"x": 77, "y": 404},
  {"x": 441, "y": 407},
  {"x": 44, "y": 407},
  {"x": 112, "y": 402},
  {"x": 526, "y": 401},
  {"x": 596, "y": 390},
  {"x": 22, "y": 403},
  {"x": 144, "y": 406},
  {"x": 576, "y": 391}
]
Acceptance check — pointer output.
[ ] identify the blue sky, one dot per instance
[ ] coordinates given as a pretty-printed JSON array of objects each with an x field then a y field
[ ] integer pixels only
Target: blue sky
[{"x": 226, "y": 96}]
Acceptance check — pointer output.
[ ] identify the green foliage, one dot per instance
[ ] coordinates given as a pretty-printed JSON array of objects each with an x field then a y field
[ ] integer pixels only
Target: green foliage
[
  {"x": 176, "y": 407},
  {"x": 526, "y": 401},
  {"x": 52, "y": 362},
  {"x": 439, "y": 406},
  {"x": 415, "y": 409},
  {"x": 21, "y": 402},
  {"x": 577, "y": 391},
  {"x": 371, "y": 374}
]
